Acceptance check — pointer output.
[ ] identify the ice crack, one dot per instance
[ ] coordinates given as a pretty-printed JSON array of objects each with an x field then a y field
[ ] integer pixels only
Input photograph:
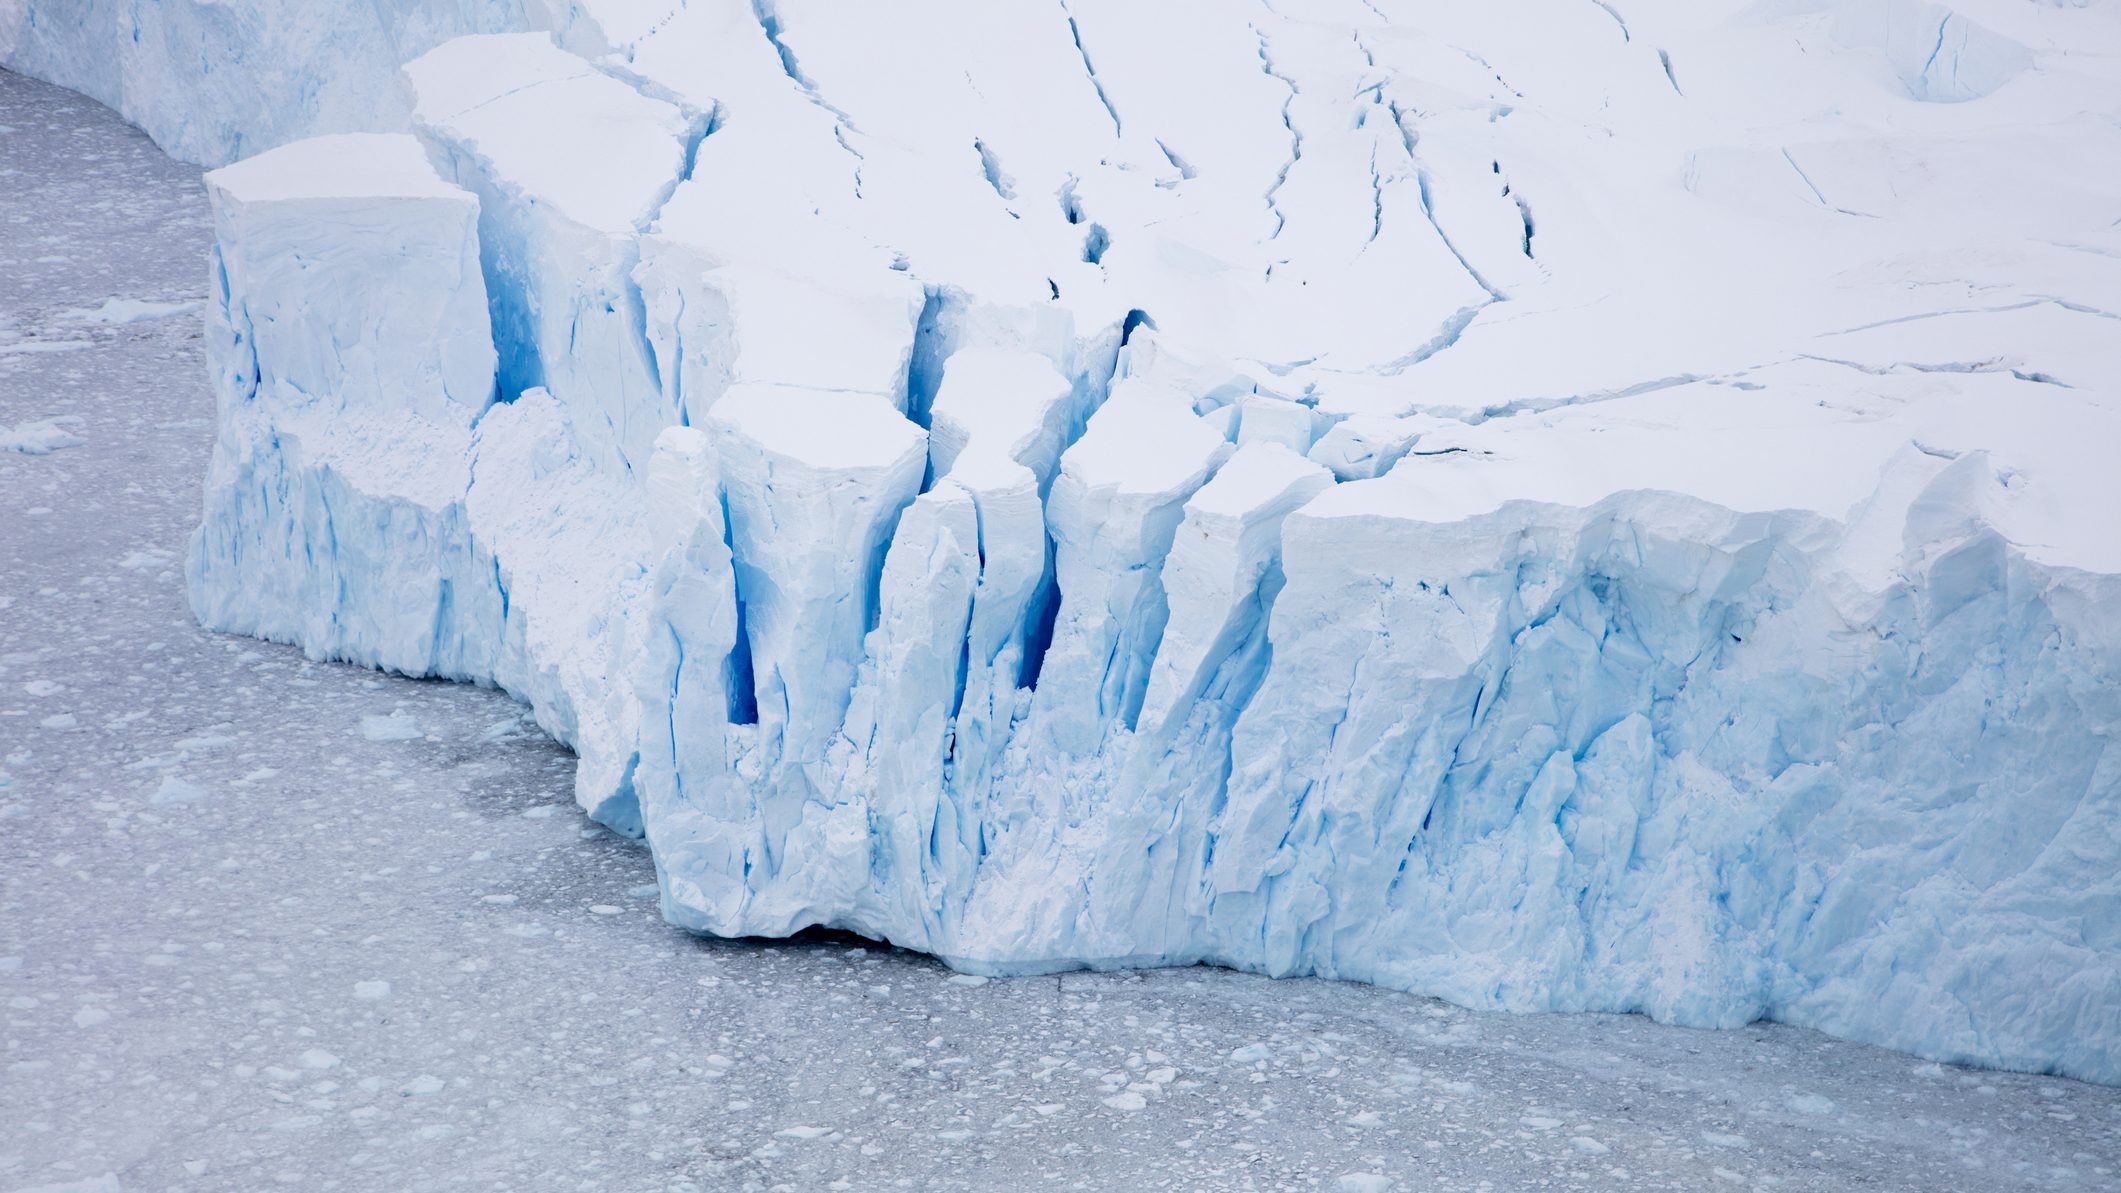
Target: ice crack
[
  {"x": 769, "y": 19},
  {"x": 1614, "y": 13},
  {"x": 1075, "y": 33},
  {"x": 1296, "y": 139},
  {"x": 1407, "y": 141}
]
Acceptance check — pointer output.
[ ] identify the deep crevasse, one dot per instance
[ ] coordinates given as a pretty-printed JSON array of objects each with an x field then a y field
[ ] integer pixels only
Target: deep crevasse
[{"x": 1038, "y": 518}]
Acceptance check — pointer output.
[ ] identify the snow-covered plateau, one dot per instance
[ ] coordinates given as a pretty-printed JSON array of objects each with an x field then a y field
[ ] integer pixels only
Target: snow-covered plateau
[{"x": 1558, "y": 505}]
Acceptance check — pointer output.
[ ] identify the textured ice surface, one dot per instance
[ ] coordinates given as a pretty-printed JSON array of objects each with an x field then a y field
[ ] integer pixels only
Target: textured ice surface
[{"x": 1558, "y": 506}]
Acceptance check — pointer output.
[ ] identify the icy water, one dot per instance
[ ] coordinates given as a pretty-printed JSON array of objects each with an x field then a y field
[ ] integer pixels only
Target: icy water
[{"x": 265, "y": 922}]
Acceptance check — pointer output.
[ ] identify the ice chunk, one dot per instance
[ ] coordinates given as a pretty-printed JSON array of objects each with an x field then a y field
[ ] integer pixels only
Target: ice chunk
[
  {"x": 43, "y": 436},
  {"x": 715, "y": 326},
  {"x": 569, "y": 544},
  {"x": 1364, "y": 446},
  {"x": 1115, "y": 507},
  {"x": 348, "y": 270},
  {"x": 569, "y": 165},
  {"x": 174, "y": 790},
  {"x": 1013, "y": 405},
  {"x": 685, "y": 784},
  {"x": 1224, "y": 568},
  {"x": 398, "y": 726},
  {"x": 122, "y": 311},
  {"x": 899, "y": 724},
  {"x": 106, "y": 1183},
  {"x": 815, "y": 482},
  {"x": 348, "y": 311},
  {"x": 1265, "y": 419}
]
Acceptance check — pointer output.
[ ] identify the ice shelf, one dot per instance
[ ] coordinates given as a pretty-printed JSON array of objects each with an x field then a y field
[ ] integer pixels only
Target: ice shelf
[{"x": 1551, "y": 510}]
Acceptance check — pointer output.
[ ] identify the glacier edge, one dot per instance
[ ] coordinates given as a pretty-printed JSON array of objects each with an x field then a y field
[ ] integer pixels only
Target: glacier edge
[{"x": 1008, "y": 606}]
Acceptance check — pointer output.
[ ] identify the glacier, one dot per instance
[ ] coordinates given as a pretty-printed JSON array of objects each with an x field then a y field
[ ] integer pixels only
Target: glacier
[{"x": 1557, "y": 506}]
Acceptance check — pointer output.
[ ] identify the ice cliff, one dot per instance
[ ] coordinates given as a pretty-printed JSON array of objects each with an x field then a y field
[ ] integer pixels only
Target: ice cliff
[{"x": 1556, "y": 505}]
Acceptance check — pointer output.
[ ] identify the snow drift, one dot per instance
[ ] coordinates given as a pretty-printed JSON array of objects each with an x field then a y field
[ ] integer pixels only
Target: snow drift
[{"x": 1557, "y": 506}]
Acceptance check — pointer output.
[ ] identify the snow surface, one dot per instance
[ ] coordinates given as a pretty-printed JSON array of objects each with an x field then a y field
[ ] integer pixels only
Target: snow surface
[{"x": 1713, "y": 612}]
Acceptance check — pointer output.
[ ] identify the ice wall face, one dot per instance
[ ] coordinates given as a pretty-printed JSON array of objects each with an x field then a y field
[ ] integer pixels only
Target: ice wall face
[
  {"x": 348, "y": 312},
  {"x": 1529, "y": 505},
  {"x": 1678, "y": 756}
]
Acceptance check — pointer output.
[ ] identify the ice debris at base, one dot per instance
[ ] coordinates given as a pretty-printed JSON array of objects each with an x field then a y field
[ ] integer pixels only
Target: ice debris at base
[
  {"x": 41, "y": 436},
  {"x": 1548, "y": 506},
  {"x": 117, "y": 312}
]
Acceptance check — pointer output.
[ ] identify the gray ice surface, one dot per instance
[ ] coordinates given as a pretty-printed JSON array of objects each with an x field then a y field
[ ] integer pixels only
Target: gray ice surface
[{"x": 269, "y": 923}]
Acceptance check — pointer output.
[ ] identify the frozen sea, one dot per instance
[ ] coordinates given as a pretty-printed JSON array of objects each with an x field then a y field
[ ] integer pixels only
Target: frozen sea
[{"x": 266, "y": 922}]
